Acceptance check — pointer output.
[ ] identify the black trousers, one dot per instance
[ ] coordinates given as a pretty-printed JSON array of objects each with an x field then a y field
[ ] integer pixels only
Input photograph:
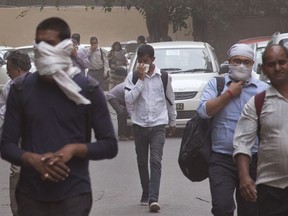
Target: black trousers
[
  {"x": 75, "y": 206},
  {"x": 272, "y": 201},
  {"x": 224, "y": 182}
]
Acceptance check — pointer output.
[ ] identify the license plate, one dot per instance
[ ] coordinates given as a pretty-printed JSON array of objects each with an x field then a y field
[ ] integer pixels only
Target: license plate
[{"x": 179, "y": 106}]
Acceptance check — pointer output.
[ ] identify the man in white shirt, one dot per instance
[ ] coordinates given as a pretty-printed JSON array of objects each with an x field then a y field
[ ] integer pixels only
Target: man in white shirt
[
  {"x": 151, "y": 112},
  {"x": 271, "y": 187},
  {"x": 18, "y": 64},
  {"x": 99, "y": 65}
]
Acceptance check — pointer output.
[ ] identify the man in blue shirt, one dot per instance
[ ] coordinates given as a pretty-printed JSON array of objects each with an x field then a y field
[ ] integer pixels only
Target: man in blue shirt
[
  {"x": 225, "y": 110},
  {"x": 53, "y": 110}
]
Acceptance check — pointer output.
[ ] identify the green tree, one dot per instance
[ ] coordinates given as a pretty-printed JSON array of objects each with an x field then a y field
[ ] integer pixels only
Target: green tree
[{"x": 158, "y": 14}]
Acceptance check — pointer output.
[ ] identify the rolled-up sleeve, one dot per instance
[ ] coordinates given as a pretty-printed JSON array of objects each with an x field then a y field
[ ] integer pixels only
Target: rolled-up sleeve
[
  {"x": 171, "y": 108},
  {"x": 246, "y": 130}
]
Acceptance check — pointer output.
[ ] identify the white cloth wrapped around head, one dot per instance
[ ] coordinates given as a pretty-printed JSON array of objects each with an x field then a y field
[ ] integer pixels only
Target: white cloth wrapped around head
[
  {"x": 242, "y": 50},
  {"x": 55, "y": 61}
]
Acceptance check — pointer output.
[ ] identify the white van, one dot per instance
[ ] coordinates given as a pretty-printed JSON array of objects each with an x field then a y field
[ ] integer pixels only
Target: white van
[{"x": 191, "y": 65}]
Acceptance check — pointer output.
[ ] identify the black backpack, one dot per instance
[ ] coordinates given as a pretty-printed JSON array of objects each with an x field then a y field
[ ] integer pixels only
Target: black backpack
[{"x": 195, "y": 146}]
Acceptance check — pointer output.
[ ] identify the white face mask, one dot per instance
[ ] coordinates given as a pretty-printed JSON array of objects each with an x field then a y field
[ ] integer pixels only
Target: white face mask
[
  {"x": 240, "y": 72},
  {"x": 50, "y": 59}
]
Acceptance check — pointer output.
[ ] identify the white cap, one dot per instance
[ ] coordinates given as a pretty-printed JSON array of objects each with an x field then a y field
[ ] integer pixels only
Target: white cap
[{"x": 242, "y": 50}]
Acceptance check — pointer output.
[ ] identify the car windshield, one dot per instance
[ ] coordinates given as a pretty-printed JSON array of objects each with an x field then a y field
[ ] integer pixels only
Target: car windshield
[
  {"x": 184, "y": 60},
  {"x": 284, "y": 42}
]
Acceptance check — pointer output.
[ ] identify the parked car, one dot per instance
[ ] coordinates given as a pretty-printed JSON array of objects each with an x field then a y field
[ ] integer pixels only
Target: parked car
[
  {"x": 191, "y": 65},
  {"x": 279, "y": 38}
]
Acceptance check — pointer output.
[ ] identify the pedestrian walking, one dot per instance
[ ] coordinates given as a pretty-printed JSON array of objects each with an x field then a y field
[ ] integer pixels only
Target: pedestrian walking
[
  {"x": 18, "y": 64},
  {"x": 225, "y": 110},
  {"x": 117, "y": 64},
  {"x": 151, "y": 112},
  {"x": 116, "y": 98},
  {"x": 270, "y": 189},
  {"x": 99, "y": 65},
  {"x": 52, "y": 111},
  {"x": 79, "y": 54}
]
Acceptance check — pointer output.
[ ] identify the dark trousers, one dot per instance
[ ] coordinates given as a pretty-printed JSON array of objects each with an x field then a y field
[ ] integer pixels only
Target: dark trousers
[
  {"x": 272, "y": 201},
  {"x": 75, "y": 206},
  {"x": 99, "y": 75},
  {"x": 149, "y": 139},
  {"x": 223, "y": 178}
]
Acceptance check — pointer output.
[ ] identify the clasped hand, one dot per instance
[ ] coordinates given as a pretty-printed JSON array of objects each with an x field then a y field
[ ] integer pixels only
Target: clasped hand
[{"x": 54, "y": 168}]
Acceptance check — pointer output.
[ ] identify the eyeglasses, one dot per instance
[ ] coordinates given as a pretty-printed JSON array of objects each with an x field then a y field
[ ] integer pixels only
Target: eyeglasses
[{"x": 245, "y": 62}]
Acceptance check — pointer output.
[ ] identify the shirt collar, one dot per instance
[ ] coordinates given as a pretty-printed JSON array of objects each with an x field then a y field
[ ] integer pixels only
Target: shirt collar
[
  {"x": 157, "y": 70},
  {"x": 271, "y": 91}
]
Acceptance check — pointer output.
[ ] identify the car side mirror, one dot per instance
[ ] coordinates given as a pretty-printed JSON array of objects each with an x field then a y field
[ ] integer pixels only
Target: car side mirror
[
  {"x": 2, "y": 62},
  {"x": 224, "y": 68},
  {"x": 259, "y": 69}
]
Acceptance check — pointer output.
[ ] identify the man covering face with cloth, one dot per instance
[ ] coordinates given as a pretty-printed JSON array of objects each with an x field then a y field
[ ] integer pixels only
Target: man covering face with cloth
[
  {"x": 53, "y": 111},
  {"x": 240, "y": 62},
  {"x": 225, "y": 110}
]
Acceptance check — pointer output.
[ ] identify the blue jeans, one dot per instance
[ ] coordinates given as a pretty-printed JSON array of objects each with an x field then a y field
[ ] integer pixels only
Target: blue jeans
[
  {"x": 153, "y": 137},
  {"x": 223, "y": 178}
]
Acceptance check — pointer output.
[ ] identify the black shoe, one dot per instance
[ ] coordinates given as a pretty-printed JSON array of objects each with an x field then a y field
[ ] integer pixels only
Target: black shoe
[{"x": 144, "y": 202}]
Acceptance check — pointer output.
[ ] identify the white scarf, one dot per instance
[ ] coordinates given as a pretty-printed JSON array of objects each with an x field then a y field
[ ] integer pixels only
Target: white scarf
[{"x": 55, "y": 61}]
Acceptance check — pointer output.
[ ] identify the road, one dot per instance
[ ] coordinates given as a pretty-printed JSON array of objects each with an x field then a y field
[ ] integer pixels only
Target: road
[{"x": 117, "y": 191}]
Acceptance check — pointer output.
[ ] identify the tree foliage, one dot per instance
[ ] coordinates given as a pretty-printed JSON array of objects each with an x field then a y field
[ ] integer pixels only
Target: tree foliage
[{"x": 158, "y": 14}]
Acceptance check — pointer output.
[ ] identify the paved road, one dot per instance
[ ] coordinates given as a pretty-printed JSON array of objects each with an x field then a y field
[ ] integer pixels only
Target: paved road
[{"x": 116, "y": 186}]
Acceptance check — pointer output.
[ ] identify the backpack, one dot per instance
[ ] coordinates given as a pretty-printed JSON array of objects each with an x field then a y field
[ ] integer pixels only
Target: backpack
[
  {"x": 164, "y": 78},
  {"x": 195, "y": 145},
  {"x": 259, "y": 101}
]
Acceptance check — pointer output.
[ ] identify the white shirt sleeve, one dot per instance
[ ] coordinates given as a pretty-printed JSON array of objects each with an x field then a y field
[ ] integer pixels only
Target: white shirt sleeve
[
  {"x": 3, "y": 98},
  {"x": 246, "y": 130}
]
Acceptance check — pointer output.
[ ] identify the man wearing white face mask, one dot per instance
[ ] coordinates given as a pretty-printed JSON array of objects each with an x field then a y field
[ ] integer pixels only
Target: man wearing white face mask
[
  {"x": 53, "y": 110},
  {"x": 225, "y": 110}
]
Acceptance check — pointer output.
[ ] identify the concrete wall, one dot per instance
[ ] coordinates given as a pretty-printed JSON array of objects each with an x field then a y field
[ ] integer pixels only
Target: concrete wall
[{"x": 120, "y": 24}]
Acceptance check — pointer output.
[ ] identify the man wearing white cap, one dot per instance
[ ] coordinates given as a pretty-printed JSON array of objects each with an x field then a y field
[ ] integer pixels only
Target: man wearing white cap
[{"x": 225, "y": 110}]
